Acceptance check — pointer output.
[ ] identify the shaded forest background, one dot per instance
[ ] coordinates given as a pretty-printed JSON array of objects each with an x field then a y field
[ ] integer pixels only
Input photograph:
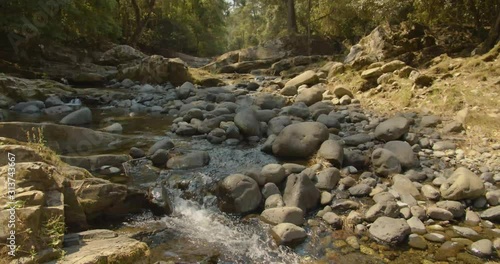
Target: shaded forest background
[{"x": 212, "y": 27}]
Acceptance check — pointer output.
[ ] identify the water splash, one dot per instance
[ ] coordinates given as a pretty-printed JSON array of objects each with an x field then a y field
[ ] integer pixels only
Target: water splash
[{"x": 236, "y": 242}]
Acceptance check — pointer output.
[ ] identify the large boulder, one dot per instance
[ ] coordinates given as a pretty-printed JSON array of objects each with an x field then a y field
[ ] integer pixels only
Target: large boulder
[
  {"x": 64, "y": 139},
  {"x": 385, "y": 162},
  {"x": 332, "y": 151},
  {"x": 247, "y": 122},
  {"x": 120, "y": 54},
  {"x": 389, "y": 230},
  {"x": 462, "y": 184},
  {"x": 38, "y": 199},
  {"x": 105, "y": 246},
  {"x": 301, "y": 192},
  {"x": 300, "y": 140},
  {"x": 403, "y": 152},
  {"x": 18, "y": 89},
  {"x": 79, "y": 117},
  {"x": 95, "y": 162},
  {"x": 280, "y": 215},
  {"x": 287, "y": 233},
  {"x": 238, "y": 193},
  {"x": 310, "y": 96},
  {"x": 157, "y": 69},
  {"x": 392, "y": 129},
  {"x": 307, "y": 77}
]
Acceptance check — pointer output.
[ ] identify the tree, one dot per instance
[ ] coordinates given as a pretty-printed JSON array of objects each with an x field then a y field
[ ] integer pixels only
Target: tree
[{"x": 291, "y": 17}]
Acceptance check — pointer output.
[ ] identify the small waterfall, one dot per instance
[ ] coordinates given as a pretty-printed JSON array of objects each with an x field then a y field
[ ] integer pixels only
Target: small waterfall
[{"x": 237, "y": 242}]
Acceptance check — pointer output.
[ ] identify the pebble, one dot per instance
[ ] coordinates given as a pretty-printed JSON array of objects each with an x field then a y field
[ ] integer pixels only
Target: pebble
[
  {"x": 465, "y": 232},
  {"x": 482, "y": 248},
  {"x": 472, "y": 218},
  {"x": 353, "y": 242},
  {"x": 435, "y": 237},
  {"x": 417, "y": 241}
]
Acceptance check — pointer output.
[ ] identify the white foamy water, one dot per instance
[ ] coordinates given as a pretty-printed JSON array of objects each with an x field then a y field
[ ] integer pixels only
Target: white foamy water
[{"x": 236, "y": 242}]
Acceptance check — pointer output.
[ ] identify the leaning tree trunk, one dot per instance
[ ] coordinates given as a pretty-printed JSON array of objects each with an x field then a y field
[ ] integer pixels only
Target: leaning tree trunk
[{"x": 492, "y": 39}]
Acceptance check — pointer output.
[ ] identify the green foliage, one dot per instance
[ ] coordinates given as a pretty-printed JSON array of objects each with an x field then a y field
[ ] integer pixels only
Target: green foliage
[{"x": 211, "y": 27}]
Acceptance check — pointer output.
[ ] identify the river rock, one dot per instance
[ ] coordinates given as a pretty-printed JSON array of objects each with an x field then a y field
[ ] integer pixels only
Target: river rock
[
  {"x": 328, "y": 179},
  {"x": 307, "y": 77},
  {"x": 359, "y": 190},
  {"x": 332, "y": 219},
  {"x": 273, "y": 201},
  {"x": 191, "y": 160},
  {"x": 156, "y": 69},
  {"x": 392, "y": 129},
  {"x": 310, "y": 96},
  {"x": 165, "y": 144},
  {"x": 160, "y": 158},
  {"x": 247, "y": 122},
  {"x": 429, "y": 192},
  {"x": 416, "y": 241},
  {"x": 300, "y": 140},
  {"x": 385, "y": 162},
  {"x": 387, "y": 208},
  {"x": 270, "y": 189},
  {"x": 57, "y": 110},
  {"x": 329, "y": 121},
  {"x": 482, "y": 248},
  {"x": 462, "y": 184},
  {"x": 238, "y": 193},
  {"x": 403, "y": 152},
  {"x": 456, "y": 208},
  {"x": 120, "y": 54},
  {"x": 389, "y": 230},
  {"x": 332, "y": 151},
  {"x": 439, "y": 213},
  {"x": 285, "y": 214},
  {"x": 136, "y": 153},
  {"x": 287, "y": 233},
  {"x": 416, "y": 225},
  {"x": 64, "y": 139},
  {"x": 274, "y": 173},
  {"x": 403, "y": 186},
  {"x": 301, "y": 192},
  {"x": 492, "y": 214},
  {"x": 82, "y": 116},
  {"x": 105, "y": 246},
  {"x": 113, "y": 128}
]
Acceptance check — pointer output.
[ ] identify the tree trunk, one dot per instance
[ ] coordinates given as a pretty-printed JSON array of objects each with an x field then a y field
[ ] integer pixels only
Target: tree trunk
[
  {"x": 493, "y": 37},
  {"x": 140, "y": 23},
  {"x": 291, "y": 17}
]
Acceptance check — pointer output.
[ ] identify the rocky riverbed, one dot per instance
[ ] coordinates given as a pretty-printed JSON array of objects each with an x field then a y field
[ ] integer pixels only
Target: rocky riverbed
[{"x": 259, "y": 170}]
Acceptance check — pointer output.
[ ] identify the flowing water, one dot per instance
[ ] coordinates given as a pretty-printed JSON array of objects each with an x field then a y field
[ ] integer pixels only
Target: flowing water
[{"x": 200, "y": 233}]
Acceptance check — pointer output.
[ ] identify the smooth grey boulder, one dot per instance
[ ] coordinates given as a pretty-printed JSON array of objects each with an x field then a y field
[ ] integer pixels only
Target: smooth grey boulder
[
  {"x": 165, "y": 144},
  {"x": 274, "y": 173},
  {"x": 238, "y": 193},
  {"x": 403, "y": 152},
  {"x": 307, "y": 77},
  {"x": 79, "y": 117},
  {"x": 492, "y": 214},
  {"x": 332, "y": 151},
  {"x": 385, "y": 162},
  {"x": 310, "y": 96},
  {"x": 301, "y": 192},
  {"x": 462, "y": 184},
  {"x": 300, "y": 140},
  {"x": 285, "y": 214},
  {"x": 287, "y": 233},
  {"x": 247, "y": 122},
  {"x": 392, "y": 129},
  {"x": 329, "y": 121},
  {"x": 389, "y": 230},
  {"x": 328, "y": 179}
]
